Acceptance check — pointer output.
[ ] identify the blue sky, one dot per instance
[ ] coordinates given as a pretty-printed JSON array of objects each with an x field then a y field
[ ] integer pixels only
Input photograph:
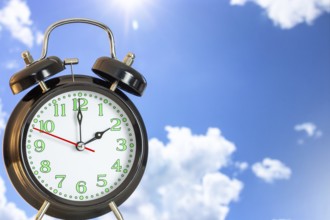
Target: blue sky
[{"x": 238, "y": 97}]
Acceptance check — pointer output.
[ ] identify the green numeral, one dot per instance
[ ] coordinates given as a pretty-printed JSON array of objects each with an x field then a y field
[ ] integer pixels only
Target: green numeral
[
  {"x": 48, "y": 126},
  {"x": 116, "y": 166},
  {"x": 62, "y": 177},
  {"x": 101, "y": 109},
  {"x": 81, "y": 187},
  {"x": 122, "y": 143},
  {"x": 101, "y": 181},
  {"x": 56, "y": 109},
  {"x": 39, "y": 145},
  {"x": 45, "y": 166},
  {"x": 83, "y": 102},
  {"x": 115, "y": 127}
]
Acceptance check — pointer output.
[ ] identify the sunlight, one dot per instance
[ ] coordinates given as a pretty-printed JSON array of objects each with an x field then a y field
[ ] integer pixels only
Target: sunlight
[
  {"x": 129, "y": 6},
  {"x": 132, "y": 10}
]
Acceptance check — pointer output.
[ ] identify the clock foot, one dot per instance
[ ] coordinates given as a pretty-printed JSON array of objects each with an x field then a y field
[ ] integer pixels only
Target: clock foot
[
  {"x": 42, "y": 210},
  {"x": 116, "y": 211}
]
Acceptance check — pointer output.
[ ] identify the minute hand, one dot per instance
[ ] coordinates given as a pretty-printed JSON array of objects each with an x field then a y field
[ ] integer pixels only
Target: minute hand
[
  {"x": 98, "y": 135},
  {"x": 79, "y": 118}
]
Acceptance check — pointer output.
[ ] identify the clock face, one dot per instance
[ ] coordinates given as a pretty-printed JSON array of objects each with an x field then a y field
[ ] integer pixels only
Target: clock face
[{"x": 80, "y": 145}]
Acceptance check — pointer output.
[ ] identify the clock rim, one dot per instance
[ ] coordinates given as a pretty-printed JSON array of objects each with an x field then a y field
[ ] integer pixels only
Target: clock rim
[{"x": 25, "y": 183}]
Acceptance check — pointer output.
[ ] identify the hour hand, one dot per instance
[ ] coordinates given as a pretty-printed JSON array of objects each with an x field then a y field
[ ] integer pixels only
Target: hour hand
[{"x": 98, "y": 135}]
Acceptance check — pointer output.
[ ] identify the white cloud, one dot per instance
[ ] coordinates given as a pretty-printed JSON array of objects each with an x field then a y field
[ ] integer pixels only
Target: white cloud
[
  {"x": 241, "y": 165},
  {"x": 289, "y": 13},
  {"x": 310, "y": 129},
  {"x": 271, "y": 169},
  {"x": 182, "y": 180},
  {"x": 2, "y": 119},
  {"x": 182, "y": 176},
  {"x": 238, "y": 2},
  {"x": 15, "y": 17},
  {"x": 300, "y": 141},
  {"x": 39, "y": 37},
  {"x": 318, "y": 134},
  {"x": 12, "y": 64},
  {"x": 9, "y": 210}
]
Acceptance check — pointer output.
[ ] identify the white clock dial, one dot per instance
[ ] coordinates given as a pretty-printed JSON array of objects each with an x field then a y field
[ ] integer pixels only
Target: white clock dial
[{"x": 96, "y": 168}]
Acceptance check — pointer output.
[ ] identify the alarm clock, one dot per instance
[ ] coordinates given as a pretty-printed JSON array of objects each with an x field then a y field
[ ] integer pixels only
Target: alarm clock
[{"x": 75, "y": 146}]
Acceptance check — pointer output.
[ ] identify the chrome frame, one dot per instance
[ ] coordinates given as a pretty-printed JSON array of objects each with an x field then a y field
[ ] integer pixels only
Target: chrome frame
[{"x": 77, "y": 20}]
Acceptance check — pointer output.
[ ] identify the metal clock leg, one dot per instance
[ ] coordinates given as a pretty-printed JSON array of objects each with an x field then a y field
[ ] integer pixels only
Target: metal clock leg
[
  {"x": 116, "y": 211},
  {"x": 42, "y": 210}
]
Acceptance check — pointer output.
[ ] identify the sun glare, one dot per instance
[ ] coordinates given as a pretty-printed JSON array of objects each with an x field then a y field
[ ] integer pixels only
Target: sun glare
[
  {"x": 130, "y": 6},
  {"x": 132, "y": 12}
]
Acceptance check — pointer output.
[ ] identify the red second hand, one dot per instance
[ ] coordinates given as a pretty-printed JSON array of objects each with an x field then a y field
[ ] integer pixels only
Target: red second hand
[{"x": 63, "y": 139}]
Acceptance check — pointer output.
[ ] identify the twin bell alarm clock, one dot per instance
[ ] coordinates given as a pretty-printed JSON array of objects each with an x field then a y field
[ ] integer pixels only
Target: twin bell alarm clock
[{"x": 75, "y": 146}]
